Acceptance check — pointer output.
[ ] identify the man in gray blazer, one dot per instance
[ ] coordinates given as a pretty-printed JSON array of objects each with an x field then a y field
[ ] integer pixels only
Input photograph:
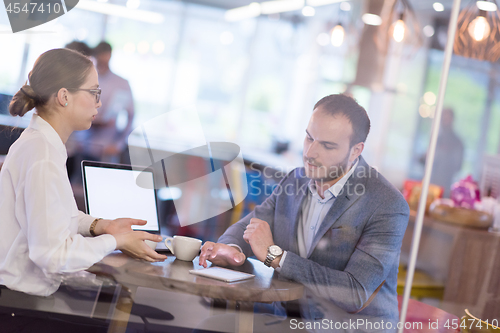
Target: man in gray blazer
[{"x": 335, "y": 225}]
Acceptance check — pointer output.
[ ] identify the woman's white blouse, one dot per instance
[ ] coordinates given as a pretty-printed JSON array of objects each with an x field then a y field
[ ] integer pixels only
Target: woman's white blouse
[{"x": 42, "y": 232}]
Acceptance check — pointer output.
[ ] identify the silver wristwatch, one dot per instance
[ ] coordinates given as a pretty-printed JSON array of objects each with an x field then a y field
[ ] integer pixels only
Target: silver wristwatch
[{"x": 273, "y": 251}]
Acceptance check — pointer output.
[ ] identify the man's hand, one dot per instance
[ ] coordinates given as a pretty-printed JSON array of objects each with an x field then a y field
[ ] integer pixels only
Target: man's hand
[
  {"x": 118, "y": 226},
  {"x": 258, "y": 235},
  {"x": 221, "y": 255},
  {"x": 132, "y": 243}
]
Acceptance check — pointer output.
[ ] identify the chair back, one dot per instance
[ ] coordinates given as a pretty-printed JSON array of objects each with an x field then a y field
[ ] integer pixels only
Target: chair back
[{"x": 419, "y": 314}]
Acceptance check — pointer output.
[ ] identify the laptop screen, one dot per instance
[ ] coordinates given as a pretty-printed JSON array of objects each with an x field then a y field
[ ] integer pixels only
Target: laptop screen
[{"x": 111, "y": 192}]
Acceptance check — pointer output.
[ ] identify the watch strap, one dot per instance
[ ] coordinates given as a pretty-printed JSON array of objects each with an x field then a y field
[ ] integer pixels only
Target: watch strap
[
  {"x": 269, "y": 259},
  {"x": 270, "y": 256},
  {"x": 92, "y": 227}
]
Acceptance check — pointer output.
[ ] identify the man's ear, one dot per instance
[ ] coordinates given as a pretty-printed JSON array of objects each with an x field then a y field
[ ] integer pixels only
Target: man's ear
[{"x": 356, "y": 150}]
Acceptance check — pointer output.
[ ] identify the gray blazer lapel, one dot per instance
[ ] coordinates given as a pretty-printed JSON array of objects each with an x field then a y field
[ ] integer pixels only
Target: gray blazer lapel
[
  {"x": 346, "y": 198},
  {"x": 296, "y": 209}
]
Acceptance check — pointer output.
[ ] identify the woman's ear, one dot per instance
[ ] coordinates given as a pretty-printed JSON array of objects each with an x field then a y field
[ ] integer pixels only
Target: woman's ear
[{"x": 62, "y": 97}]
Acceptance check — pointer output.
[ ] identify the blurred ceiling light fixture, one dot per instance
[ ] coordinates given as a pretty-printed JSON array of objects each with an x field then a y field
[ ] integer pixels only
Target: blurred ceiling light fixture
[
  {"x": 479, "y": 28},
  {"x": 428, "y": 31},
  {"x": 337, "y": 35},
  {"x": 438, "y": 6},
  {"x": 129, "y": 47},
  {"x": 478, "y": 33},
  {"x": 323, "y": 39},
  {"x": 371, "y": 19},
  {"x": 133, "y": 4},
  {"x": 487, "y": 6},
  {"x": 430, "y": 98},
  {"x": 158, "y": 47},
  {"x": 424, "y": 111},
  {"x": 242, "y": 13},
  {"x": 143, "y": 47},
  {"x": 345, "y": 6},
  {"x": 120, "y": 11},
  {"x": 273, "y": 7},
  {"x": 317, "y": 3},
  {"x": 280, "y": 6},
  {"x": 399, "y": 29},
  {"x": 308, "y": 11},
  {"x": 400, "y": 24}
]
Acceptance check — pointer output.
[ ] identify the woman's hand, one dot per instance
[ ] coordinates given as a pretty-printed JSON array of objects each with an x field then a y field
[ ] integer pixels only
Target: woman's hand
[
  {"x": 117, "y": 226},
  {"x": 132, "y": 243}
]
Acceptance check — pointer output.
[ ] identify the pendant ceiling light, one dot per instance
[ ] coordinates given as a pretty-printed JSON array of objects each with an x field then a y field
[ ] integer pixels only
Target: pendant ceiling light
[
  {"x": 337, "y": 35},
  {"x": 399, "y": 24},
  {"x": 478, "y": 34}
]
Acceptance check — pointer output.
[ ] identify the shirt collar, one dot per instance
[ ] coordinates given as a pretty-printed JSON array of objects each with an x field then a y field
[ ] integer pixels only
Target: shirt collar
[
  {"x": 39, "y": 124},
  {"x": 335, "y": 189}
]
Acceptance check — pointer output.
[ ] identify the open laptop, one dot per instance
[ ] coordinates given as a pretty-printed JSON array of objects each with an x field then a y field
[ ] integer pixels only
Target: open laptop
[{"x": 111, "y": 192}]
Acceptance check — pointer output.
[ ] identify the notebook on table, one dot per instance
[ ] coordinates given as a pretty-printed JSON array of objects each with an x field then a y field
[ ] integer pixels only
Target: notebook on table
[
  {"x": 222, "y": 274},
  {"x": 111, "y": 191}
]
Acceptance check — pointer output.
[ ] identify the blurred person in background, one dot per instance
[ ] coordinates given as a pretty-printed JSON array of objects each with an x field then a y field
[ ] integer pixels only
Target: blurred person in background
[
  {"x": 449, "y": 154},
  {"x": 80, "y": 47},
  {"x": 107, "y": 139}
]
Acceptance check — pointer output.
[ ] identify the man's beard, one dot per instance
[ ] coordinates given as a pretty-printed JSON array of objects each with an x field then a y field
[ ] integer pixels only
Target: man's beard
[{"x": 334, "y": 172}]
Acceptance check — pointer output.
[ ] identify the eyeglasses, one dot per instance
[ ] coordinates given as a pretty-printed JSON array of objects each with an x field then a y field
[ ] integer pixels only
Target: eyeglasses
[{"x": 95, "y": 92}]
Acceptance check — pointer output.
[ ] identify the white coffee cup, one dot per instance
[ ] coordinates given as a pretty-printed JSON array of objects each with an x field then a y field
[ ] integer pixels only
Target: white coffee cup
[
  {"x": 151, "y": 244},
  {"x": 183, "y": 248}
]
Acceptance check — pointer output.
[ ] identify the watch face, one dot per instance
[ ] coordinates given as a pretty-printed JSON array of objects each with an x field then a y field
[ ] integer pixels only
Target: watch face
[{"x": 275, "y": 250}]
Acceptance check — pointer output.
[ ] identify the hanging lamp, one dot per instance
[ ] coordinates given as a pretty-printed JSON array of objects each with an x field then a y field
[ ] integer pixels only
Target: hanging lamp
[{"x": 478, "y": 32}]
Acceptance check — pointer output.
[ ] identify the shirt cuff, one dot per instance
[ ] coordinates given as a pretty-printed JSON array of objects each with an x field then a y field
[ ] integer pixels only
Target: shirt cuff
[
  {"x": 282, "y": 260},
  {"x": 109, "y": 243},
  {"x": 84, "y": 222},
  {"x": 236, "y": 246}
]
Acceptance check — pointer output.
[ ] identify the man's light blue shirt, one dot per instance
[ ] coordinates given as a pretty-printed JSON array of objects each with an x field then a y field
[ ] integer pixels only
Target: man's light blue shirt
[{"x": 314, "y": 210}]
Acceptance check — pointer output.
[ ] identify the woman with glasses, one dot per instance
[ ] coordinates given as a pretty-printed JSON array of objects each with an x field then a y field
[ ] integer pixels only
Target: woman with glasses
[{"x": 43, "y": 233}]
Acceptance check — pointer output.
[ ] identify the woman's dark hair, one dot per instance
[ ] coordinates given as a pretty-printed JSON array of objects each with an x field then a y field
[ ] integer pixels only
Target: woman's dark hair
[
  {"x": 348, "y": 107},
  {"x": 53, "y": 70}
]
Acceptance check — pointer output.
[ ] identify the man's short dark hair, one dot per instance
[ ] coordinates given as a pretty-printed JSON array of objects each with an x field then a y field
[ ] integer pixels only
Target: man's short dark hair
[
  {"x": 102, "y": 47},
  {"x": 347, "y": 106},
  {"x": 79, "y": 47}
]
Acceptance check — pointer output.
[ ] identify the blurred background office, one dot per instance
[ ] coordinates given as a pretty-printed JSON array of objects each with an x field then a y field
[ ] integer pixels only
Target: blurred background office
[
  {"x": 106, "y": 140},
  {"x": 255, "y": 78}
]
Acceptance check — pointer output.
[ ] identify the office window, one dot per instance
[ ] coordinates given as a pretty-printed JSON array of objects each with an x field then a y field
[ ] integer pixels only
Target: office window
[
  {"x": 467, "y": 94},
  {"x": 12, "y": 56},
  {"x": 143, "y": 53}
]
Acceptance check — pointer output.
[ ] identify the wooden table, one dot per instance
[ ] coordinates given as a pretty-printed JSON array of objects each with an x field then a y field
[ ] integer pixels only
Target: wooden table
[
  {"x": 173, "y": 275},
  {"x": 467, "y": 260}
]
